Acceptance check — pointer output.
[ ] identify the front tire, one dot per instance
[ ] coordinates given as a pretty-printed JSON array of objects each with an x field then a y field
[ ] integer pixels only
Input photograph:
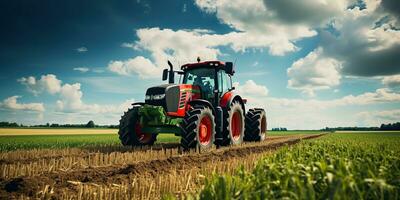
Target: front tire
[
  {"x": 198, "y": 128},
  {"x": 130, "y": 132},
  {"x": 256, "y": 125}
]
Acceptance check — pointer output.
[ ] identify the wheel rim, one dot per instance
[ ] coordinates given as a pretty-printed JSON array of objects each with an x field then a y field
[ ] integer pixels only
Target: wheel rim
[
  {"x": 236, "y": 126},
  {"x": 143, "y": 138},
  {"x": 205, "y": 130}
]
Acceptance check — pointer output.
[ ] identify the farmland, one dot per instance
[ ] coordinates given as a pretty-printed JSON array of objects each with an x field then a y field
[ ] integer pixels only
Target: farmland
[
  {"x": 341, "y": 166},
  {"x": 35, "y": 138},
  {"x": 288, "y": 164}
]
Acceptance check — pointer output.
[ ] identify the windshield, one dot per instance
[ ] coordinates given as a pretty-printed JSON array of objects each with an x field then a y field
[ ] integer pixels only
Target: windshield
[{"x": 202, "y": 77}]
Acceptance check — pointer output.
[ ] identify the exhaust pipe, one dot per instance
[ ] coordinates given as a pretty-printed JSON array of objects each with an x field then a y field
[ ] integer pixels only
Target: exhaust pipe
[{"x": 171, "y": 74}]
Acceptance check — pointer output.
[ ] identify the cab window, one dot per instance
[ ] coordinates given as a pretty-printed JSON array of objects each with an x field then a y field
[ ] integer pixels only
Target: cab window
[
  {"x": 224, "y": 82},
  {"x": 202, "y": 77}
]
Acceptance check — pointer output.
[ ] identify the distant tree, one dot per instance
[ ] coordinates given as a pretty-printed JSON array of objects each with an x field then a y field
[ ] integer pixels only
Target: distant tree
[
  {"x": 90, "y": 124},
  {"x": 8, "y": 124}
]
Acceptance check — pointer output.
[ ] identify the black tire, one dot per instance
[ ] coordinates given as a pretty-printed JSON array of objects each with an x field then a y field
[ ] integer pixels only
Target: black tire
[
  {"x": 227, "y": 137},
  {"x": 127, "y": 133},
  {"x": 256, "y": 125},
  {"x": 190, "y": 128}
]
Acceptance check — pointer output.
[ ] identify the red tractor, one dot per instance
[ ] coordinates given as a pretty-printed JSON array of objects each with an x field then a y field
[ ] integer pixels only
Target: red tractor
[{"x": 203, "y": 110}]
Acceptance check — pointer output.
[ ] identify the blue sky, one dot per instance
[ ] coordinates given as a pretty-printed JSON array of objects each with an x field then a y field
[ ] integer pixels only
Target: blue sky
[{"x": 333, "y": 63}]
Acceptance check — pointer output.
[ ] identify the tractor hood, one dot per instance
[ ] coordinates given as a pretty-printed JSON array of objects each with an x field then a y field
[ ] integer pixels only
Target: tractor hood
[{"x": 166, "y": 95}]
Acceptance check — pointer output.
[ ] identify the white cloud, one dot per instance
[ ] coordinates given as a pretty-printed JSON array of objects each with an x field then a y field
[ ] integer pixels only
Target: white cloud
[
  {"x": 366, "y": 41},
  {"x": 296, "y": 113},
  {"x": 71, "y": 102},
  {"x": 382, "y": 95},
  {"x": 11, "y": 104},
  {"x": 391, "y": 81},
  {"x": 251, "y": 88},
  {"x": 314, "y": 72},
  {"x": 81, "y": 69},
  {"x": 70, "y": 96},
  {"x": 184, "y": 46},
  {"x": 128, "y": 45},
  {"x": 256, "y": 27},
  {"x": 138, "y": 65},
  {"x": 82, "y": 49},
  {"x": 47, "y": 83},
  {"x": 376, "y": 118}
]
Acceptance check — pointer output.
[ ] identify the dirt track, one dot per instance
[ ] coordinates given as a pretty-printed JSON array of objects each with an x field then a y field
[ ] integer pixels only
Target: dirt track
[{"x": 66, "y": 181}]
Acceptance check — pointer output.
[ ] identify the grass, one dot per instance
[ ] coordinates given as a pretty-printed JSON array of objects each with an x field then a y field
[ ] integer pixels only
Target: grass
[{"x": 337, "y": 166}]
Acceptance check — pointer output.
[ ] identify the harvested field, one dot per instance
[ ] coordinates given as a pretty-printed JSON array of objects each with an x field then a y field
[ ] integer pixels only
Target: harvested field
[{"x": 120, "y": 172}]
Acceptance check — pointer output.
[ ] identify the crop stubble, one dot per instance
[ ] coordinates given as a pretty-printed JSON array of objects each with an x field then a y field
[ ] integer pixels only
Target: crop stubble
[{"x": 123, "y": 173}]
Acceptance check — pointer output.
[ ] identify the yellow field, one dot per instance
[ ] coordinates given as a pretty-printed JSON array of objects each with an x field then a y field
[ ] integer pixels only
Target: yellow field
[{"x": 53, "y": 131}]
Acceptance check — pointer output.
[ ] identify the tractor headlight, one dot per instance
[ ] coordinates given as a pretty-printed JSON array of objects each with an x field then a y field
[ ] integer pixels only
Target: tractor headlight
[{"x": 158, "y": 96}]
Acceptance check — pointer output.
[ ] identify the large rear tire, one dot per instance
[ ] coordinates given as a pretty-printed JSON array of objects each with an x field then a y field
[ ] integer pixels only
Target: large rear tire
[
  {"x": 256, "y": 125},
  {"x": 234, "y": 125},
  {"x": 130, "y": 132},
  {"x": 198, "y": 128}
]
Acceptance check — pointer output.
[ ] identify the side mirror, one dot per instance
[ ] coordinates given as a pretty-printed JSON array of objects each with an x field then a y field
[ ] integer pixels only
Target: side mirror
[
  {"x": 165, "y": 74},
  {"x": 229, "y": 68}
]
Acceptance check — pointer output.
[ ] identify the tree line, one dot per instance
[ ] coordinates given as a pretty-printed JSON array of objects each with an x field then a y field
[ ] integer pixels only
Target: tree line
[
  {"x": 90, "y": 124},
  {"x": 383, "y": 127}
]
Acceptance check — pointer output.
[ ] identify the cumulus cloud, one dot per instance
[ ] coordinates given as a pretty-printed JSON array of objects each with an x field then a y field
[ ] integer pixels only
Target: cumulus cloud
[
  {"x": 71, "y": 102},
  {"x": 81, "y": 69},
  {"x": 376, "y": 118},
  {"x": 314, "y": 72},
  {"x": 391, "y": 81},
  {"x": 11, "y": 104},
  {"x": 138, "y": 65},
  {"x": 251, "y": 88},
  {"x": 255, "y": 28},
  {"x": 82, "y": 49},
  {"x": 70, "y": 96},
  {"x": 255, "y": 17},
  {"x": 355, "y": 41},
  {"x": 366, "y": 41},
  {"x": 312, "y": 113},
  {"x": 47, "y": 83},
  {"x": 183, "y": 46},
  {"x": 309, "y": 12},
  {"x": 297, "y": 113}
]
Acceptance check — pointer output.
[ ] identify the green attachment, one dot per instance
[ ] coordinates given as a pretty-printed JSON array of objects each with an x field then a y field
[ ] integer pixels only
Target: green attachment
[
  {"x": 154, "y": 120},
  {"x": 162, "y": 129}
]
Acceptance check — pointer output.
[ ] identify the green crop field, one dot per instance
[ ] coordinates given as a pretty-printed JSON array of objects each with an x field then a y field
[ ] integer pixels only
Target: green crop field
[
  {"x": 342, "y": 165},
  {"x": 34, "y": 138},
  {"x": 15, "y": 139},
  {"x": 337, "y": 166}
]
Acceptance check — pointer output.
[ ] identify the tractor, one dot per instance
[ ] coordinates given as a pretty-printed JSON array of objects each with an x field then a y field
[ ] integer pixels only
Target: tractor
[{"x": 202, "y": 109}]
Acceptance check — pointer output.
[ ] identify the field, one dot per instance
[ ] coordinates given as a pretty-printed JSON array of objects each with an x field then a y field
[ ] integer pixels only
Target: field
[
  {"x": 35, "y": 138},
  {"x": 17, "y": 138},
  {"x": 296, "y": 165}
]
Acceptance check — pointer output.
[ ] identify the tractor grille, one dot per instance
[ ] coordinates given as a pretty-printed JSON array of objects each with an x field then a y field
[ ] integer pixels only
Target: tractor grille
[{"x": 182, "y": 100}]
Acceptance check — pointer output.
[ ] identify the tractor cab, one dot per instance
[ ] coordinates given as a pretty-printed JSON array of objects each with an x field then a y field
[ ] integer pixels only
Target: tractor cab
[{"x": 212, "y": 77}]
